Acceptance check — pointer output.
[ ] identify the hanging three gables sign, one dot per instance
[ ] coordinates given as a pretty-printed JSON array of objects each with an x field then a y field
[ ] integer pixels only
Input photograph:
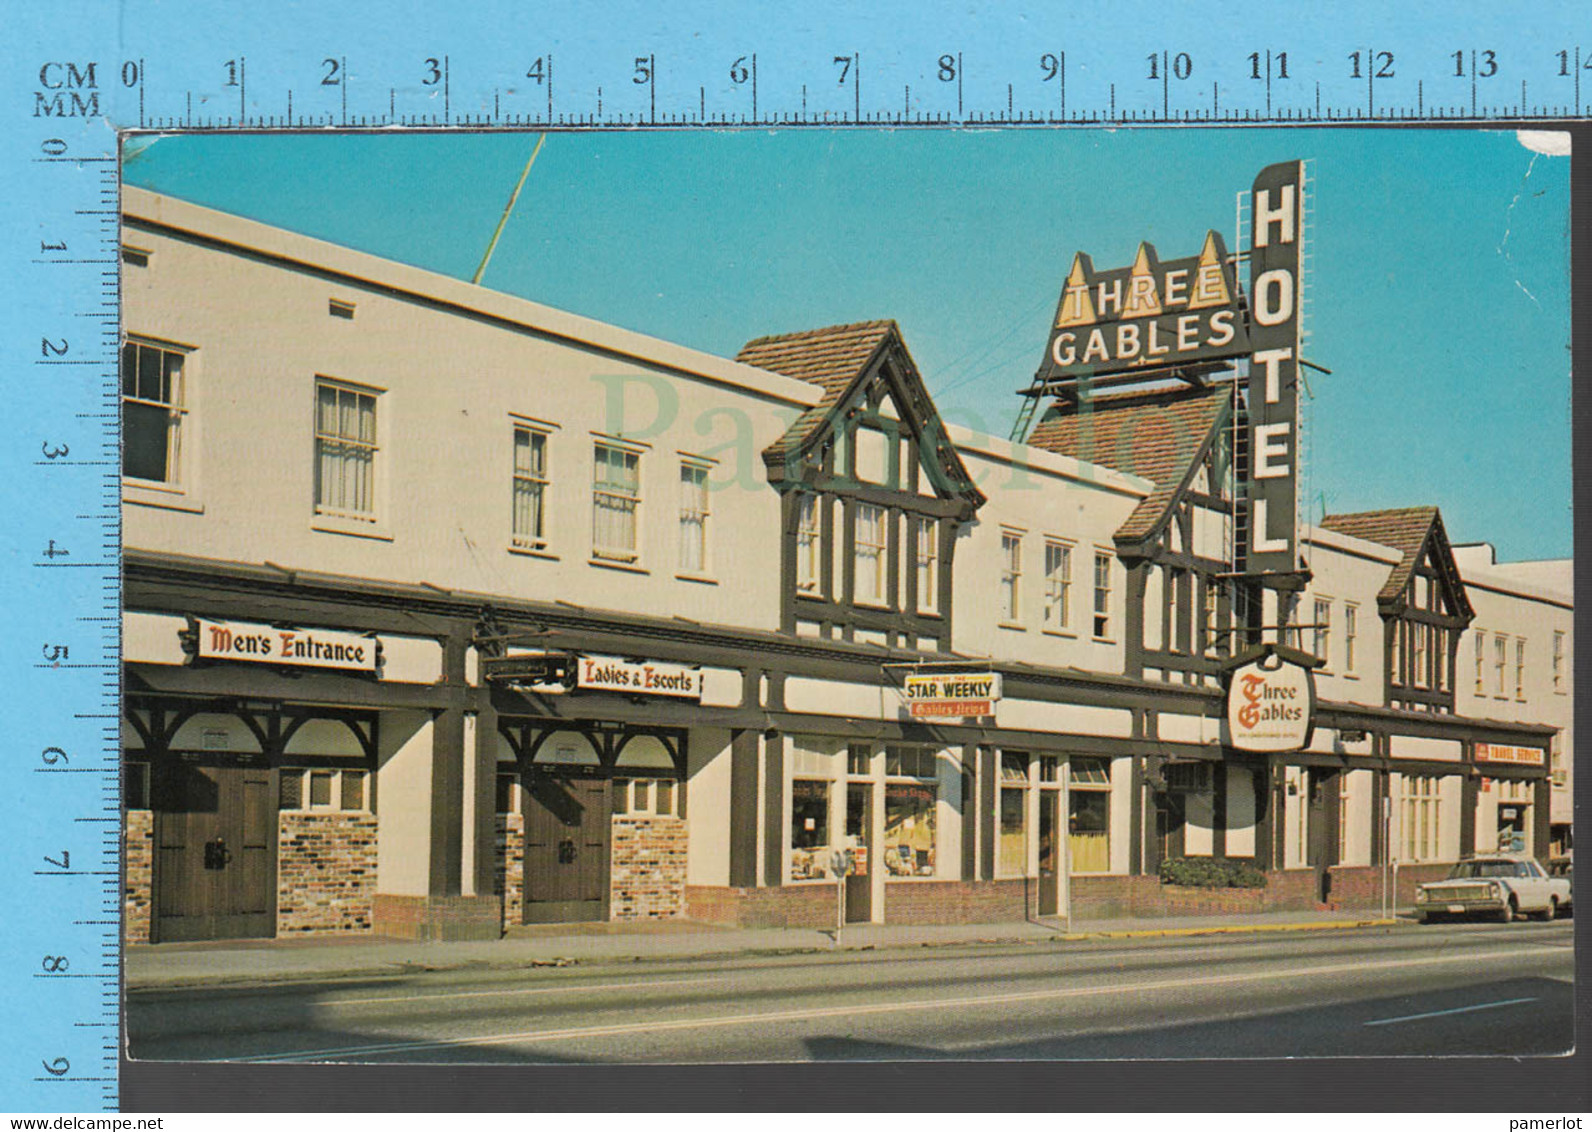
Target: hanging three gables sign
[
  {"x": 1271, "y": 699},
  {"x": 1152, "y": 315}
]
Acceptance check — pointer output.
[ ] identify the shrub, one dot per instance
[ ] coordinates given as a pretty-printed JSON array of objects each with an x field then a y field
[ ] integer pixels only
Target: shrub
[{"x": 1211, "y": 872}]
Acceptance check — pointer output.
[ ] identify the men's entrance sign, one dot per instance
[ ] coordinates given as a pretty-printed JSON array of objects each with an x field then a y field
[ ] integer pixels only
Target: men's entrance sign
[
  {"x": 1271, "y": 704},
  {"x": 1276, "y": 212},
  {"x": 1152, "y": 315}
]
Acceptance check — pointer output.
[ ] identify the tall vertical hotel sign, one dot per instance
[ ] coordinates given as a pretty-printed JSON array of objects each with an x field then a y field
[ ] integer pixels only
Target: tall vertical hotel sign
[{"x": 1277, "y": 209}]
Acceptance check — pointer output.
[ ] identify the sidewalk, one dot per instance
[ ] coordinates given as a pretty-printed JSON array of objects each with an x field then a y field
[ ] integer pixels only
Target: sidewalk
[{"x": 561, "y": 945}]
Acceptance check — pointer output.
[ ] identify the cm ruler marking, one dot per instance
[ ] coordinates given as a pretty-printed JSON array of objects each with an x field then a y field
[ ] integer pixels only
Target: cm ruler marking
[
  {"x": 77, "y": 73},
  {"x": 1277, "y": 81}
]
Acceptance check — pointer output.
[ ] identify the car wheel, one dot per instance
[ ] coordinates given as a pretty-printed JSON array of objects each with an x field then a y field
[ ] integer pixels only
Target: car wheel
[
  {"x": 1510, "y": 912},
  {"x": 1551, "y": 912},
  {"x": 1423, "y": 917}
]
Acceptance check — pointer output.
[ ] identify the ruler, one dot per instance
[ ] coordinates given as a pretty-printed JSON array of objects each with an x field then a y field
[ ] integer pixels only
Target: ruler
[{"x": 77, "y": 74}]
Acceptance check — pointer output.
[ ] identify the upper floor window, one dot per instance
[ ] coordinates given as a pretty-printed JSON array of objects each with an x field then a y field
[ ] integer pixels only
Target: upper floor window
[
  {"x": 1558, "y": 660},
  {"x": 693, "y": 518},
  {"x": 152, "y": 411},
  {"x": 807, "y": 543},
  {"x": 1102, "y": 595},
  {"x": 1500, "y": 661},
  {"x": 1210, "y": 610},
  {"x": 1520, "y": 668},
  {"x": 1011, "y": 576},
  {"x": 870, "y": 554},
  {"x": 928, "y": 565},
  {"x": 1058, "y": 585},
  {"x": 1288, "y": 620},
  {"x": 1421, "y": 637},
  {"x": 1481, "y": 663},
  {"x": 1351, "y": 631},
  {"x": 530, "y": 487},
  {"x": 345, "y": 449},
  {"x": 1321, "y": 639},
  {"x": 615, "y": 501}
]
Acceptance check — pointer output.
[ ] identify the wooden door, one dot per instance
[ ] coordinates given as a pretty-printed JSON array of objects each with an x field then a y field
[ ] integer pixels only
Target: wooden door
[
  {"x": 566, "y": 849},
  {"x": 215, "y": 852},
  {"x": 1320, "y": 833}
]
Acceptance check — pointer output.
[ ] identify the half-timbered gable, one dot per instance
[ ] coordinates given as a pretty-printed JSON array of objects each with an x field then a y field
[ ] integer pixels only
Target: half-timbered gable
[
  {"x": 873, "y": 492},
  {"x": 1423, "y": 604},
  {"x": 1174, "y": 545}
]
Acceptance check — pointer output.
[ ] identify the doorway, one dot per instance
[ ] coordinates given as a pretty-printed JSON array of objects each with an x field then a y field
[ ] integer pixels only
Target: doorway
[
  {"x": 1170, "y": 813},
  {"x": 1049, "y": 852},
  {"x": 566, "y": 848},
  {"x": 1512, "y": 826},
  {"x": 1321, "y": 828},
  {"x": 215, "y": 851},
  {"x": 859, "y": 821}
]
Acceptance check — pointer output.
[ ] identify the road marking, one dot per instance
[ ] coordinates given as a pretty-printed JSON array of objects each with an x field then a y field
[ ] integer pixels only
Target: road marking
[
  {"x": 819, "y": 1013},
  {"x": 1455, "y": 1010},
  {"x": 562, "y": 988}
]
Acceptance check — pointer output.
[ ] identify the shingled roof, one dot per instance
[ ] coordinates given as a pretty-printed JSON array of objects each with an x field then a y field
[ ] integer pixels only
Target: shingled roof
[
  {"x": 831, "y": 357},
  {"x": 1404, "y": 529},
  {"x": 1158, "y": 436},
  {"x": 841, "y": 360}
]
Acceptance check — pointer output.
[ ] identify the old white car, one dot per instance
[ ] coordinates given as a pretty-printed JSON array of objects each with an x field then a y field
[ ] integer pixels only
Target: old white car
[{"x": 1503, "y": 886}]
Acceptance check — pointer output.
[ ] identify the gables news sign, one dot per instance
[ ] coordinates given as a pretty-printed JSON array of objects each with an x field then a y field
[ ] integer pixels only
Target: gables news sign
[
  {"x": 1152, "y": 315},
  {"x": 1271, "y": 704}
]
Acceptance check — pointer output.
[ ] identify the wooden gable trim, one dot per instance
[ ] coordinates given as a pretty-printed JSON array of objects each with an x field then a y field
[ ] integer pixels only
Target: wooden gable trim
[
  {"x": 1152, "y": 542},
  {"x": 929, "y": 446},
  {"x": 1434, "y": 560}
]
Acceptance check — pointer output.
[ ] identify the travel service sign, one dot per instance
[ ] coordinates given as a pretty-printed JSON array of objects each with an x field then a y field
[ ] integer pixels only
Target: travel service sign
[{"x": 1270, "y": 705}]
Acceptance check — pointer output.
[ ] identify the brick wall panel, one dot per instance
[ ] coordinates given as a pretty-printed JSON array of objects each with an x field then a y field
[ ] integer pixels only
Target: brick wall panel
[
  {"x": 325, "y": 873},
  {"x": 137, "y": 894},
  {"x": 646, "y": 872}
]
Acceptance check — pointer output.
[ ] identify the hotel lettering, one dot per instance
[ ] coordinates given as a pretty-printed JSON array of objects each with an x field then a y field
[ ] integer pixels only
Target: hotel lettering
[{"x": 1277, "y": 209}]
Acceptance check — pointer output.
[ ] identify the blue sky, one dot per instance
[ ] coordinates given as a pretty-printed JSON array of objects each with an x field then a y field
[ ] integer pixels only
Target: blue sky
[{"x": 1439, "y": 295}]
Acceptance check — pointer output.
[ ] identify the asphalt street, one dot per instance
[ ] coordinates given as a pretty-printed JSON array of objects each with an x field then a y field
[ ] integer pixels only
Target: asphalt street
[{"x": 1465, "y": 989}]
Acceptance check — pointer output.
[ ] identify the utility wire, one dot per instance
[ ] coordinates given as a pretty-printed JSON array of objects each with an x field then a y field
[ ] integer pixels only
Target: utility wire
[{"x": 508, "y": 208}]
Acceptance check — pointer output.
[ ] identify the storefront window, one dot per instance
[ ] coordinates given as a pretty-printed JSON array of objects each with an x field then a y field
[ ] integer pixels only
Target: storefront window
[
  {"x": 809, "y": 829},
  {"x": 1089, "y": 830},
  {"x": 1012, "y": 841},
  {"x": 1418, "y": 817},
  {"x": 909, "y": 828}
]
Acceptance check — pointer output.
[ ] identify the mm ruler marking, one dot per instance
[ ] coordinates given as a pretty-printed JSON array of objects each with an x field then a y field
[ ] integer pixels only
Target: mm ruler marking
[
  {"x": 62, "y": 634},
  {"x": 1204, "y": 63}
]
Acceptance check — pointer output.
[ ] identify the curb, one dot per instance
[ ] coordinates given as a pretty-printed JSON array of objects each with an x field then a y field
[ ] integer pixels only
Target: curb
[
  {"x": 403, "y": 968},
  {"x": 1232, "y": 929}
]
